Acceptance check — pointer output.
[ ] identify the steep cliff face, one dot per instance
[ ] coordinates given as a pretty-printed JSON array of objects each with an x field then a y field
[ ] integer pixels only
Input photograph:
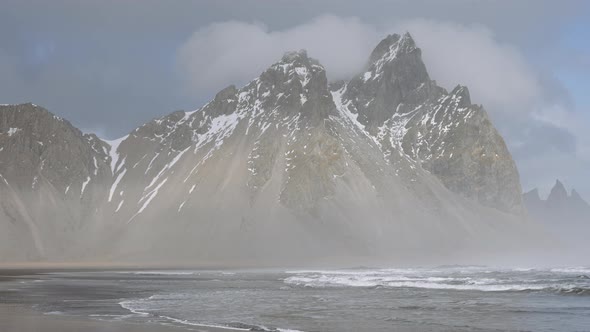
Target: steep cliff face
[
  {"x": 52, "y": 180},
  {"x": 284, "y": 168},
  {"x": 396, "y": 102}
]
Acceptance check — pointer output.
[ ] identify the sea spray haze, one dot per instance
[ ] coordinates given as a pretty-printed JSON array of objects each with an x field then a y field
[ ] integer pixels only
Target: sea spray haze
[{"x": 286, "y": 170}]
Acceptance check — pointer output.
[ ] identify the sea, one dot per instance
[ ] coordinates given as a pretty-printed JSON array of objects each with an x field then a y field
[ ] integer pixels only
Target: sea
[{"x": 444, "y": 298}]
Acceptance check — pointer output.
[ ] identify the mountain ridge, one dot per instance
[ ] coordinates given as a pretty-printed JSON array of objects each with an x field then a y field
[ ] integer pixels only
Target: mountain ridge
[
  {"x": 286, "y": 160},
  {"x": 566, "y": 215},
  {"x": 558, "y": 198}
]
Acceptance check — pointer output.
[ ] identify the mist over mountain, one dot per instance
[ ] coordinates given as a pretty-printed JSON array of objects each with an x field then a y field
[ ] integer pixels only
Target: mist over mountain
[
  {"x": 288, "y": 168},
  {"x": 566, "y": 214}
]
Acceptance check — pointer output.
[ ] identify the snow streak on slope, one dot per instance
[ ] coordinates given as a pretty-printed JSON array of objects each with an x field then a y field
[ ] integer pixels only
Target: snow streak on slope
[{"x": 114, "y": 153}]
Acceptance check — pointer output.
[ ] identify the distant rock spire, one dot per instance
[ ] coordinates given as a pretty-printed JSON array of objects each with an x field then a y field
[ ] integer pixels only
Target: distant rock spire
[{"x": 558, "y": 193}]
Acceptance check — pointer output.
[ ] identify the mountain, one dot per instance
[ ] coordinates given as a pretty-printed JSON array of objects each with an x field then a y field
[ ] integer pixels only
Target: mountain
[
  {"x": 52, "y": 180},
  {"x": 286, "y": 168},
  {"x": 395, "y": 101},
  {"x": 558, "y": 205},
  {"x": 566, "y": 215}
]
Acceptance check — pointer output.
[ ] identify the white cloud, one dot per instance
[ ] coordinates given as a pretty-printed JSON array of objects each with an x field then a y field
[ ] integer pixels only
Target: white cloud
[
  {"x": 497, "y": 75},
  {"x": 571, "y": 122},
  {"x": 236, "y": 52}
]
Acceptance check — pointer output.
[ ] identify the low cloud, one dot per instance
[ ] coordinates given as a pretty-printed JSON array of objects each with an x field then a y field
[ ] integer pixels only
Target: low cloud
[
  {"x": 532, "y": 111},
  {"x": 497, "y": 75},
  {"x": 236, "y": 52}
]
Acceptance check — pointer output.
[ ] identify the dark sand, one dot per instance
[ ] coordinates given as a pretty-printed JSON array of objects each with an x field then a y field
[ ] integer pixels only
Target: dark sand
[
  {"x": 16, "y": 318},
  {"x": 20, "y": 318}
]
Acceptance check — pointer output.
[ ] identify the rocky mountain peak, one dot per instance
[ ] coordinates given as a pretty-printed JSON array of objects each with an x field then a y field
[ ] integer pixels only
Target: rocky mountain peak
[
  {"x": 398, "y": 55},
  {"x": 463, "y": 99},
  {"x": 298, "y": 57},
  {"x": 395, "y": 75},
  {"x": 392, "y": 45},
  {"x": 407, "y": 43},
  {"x": 566, "y": 215},
  {"x": 396, "y": 101},
  {"x": 384, "y": 47},
  {"x": 297, "y": 82},
  {"x": 294, "y": 66},
  {"x": 558, "y": 193}
]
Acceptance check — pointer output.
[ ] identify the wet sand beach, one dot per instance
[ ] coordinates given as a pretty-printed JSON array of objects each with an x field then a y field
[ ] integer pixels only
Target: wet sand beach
[
  {"x": 15, "y": 318},
  {"x": 21, "y": 317}
]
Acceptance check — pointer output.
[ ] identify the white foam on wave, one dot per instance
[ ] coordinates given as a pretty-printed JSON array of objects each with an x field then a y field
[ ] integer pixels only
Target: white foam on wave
[
  {"x": 187, "y": 322},
  {"x": 577, "y": 270},
  {"x": 479, "y": 285},
  {"x": 451, "y": 279},
  {"x": 363, "y": 272},
  {"x": 165, "y": 273},
  {"x": 232, "y": 328},
  {"x": 138, "y": 307},
  {"x": 54, "y": 313},
  {"x": 132, "y": 306}
]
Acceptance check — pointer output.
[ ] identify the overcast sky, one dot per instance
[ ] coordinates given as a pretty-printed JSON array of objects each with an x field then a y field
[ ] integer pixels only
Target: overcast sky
[{"x": 111, "y": 65}]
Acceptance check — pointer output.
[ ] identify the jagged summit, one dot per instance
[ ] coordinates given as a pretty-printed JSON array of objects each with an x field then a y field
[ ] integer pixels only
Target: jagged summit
[
  {"x": 396, "y": 102},
  {"x": 298, "y": 56},
  {"x": 558, "y": 196},
  {"x": 391, "y": 45},
  {"x": 558, "y": 193},
  {"x": 567, "y": 216},
  {"x": 462, "y": 96}
]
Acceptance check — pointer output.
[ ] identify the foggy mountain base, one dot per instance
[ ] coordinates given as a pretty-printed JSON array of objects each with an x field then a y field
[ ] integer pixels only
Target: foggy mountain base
[{"x": 387, "y": 168}]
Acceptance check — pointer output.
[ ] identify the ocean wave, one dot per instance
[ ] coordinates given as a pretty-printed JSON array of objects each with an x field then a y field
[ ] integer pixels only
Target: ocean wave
[
  {"x": 54, "y": 313},
  {"x": 165, "y": 273},
  {"x": 229, "y": 326},
  {"x": 576, "y": 270},
  {"x": 429, "y": 279},
  {"x": 137, "y": 307},
  {"x": 132, "y": 306}
]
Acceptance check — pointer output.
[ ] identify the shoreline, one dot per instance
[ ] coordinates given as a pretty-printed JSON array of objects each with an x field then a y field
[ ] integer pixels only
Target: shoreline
[{"x": 18, "y": 317}]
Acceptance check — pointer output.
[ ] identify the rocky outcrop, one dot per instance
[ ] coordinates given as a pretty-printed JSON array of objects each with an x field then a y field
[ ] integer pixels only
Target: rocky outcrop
[{"x": 396, "y": 102}]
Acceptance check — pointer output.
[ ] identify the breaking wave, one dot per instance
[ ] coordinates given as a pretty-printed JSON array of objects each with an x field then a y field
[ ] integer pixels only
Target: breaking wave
[
  {"x": 143, "y": 308},
  {"x": 562, "y": 281}
]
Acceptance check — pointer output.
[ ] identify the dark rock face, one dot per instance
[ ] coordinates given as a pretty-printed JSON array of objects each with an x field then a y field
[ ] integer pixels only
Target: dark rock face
[
  {"x": 396, "y": 102},
  {"x": 558, "y": 196},
  {"x": 52, "y": 177},
  {"x": 366, "y": 167}
]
